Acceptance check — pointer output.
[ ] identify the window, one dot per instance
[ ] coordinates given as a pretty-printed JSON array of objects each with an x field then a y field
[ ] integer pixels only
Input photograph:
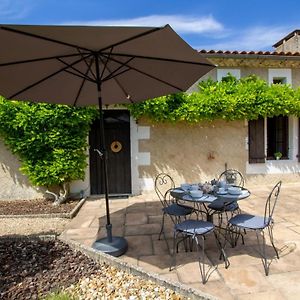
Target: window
[
  {"x": 224, "y": 72},
  {"x": 275, "y": 132},
  {"x": 283, "y": 76},
  {"x": 277, "y": 136},
  {"x": 279, "y": 80}
]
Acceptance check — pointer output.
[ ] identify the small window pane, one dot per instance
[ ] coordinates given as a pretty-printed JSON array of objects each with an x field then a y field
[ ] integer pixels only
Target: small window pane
[
  {"x": 279, "y": 80},
  {"x": 277, "y": 136}
]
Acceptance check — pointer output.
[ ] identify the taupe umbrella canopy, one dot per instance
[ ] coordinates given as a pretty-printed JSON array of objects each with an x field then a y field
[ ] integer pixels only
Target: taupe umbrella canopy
[
  {"x": 83, "y": 65},
  {"x": 57, "y": 64}
]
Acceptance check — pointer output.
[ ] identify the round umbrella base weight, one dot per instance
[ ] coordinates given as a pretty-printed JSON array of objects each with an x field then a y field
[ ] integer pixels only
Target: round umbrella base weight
[{"x": 116, "y": 247}]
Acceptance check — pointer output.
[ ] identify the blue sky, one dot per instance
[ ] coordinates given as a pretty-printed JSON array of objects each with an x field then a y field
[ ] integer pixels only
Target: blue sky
[{"x": 210, "y": 24}]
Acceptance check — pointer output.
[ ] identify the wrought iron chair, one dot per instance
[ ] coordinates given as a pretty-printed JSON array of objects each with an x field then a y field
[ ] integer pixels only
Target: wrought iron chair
[
  {"x": 195, "y": 230},
  {"x": 163, "y": 185},
  {"x": 222, "y": 207},
  {"x": 258, "y": 224}
]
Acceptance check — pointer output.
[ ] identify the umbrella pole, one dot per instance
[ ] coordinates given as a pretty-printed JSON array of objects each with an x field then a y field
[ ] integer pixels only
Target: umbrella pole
[{"x": 113, "y": 245}]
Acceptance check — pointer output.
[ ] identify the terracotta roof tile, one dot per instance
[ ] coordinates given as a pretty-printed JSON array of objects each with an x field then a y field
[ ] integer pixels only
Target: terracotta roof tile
[{"x": 203, "y": 51}]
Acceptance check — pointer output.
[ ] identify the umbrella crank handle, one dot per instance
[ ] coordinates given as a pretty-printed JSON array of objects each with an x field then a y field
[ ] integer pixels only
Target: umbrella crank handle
[{"x": 99, "y": 152}]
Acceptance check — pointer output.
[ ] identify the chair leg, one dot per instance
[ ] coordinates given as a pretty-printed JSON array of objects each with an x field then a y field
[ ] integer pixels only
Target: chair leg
[
  {"x": 162, "y": 226},
  {"x": 262, "y": 250},
  {"x": 201, "y": 258},
  {"x": 173, "y": 255},
  {"x": 222, "y": 249},
  {"x": 270, "y": 230}
]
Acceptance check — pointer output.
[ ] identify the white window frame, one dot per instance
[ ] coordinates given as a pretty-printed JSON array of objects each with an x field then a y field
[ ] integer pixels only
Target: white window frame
[
  {"x": 285, "y": 74},
  {"x": 224, "y": 72},
  {"x": 285, "y": 166}
]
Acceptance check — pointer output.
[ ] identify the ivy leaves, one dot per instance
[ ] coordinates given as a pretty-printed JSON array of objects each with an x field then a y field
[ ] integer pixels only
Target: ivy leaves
[
  {"x": 231, "y": 99},
  {"x": 51, "y": 140}
]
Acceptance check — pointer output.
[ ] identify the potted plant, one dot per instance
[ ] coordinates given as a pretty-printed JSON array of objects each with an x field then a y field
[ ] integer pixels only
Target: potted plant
[{"x": 278, "y": 155}]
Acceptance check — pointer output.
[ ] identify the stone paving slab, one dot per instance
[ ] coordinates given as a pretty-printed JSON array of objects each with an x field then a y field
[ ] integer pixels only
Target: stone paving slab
[{"x": 139, "y": 220}]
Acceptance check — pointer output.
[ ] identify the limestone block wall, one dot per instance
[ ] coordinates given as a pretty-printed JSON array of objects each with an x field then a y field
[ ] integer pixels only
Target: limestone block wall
[
  {"x": 193, "y": 153},
  {"x": 198, "y": 153},
  {"x": 13, "y": 185}
]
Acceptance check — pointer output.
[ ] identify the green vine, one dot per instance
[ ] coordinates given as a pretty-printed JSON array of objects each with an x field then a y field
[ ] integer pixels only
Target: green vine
[
  {"x": 231, "y": 99},
  {"x": 50, "y": 140}
]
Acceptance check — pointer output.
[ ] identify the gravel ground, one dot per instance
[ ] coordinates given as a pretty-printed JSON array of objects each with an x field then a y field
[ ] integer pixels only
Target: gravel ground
[
  {"x": 30, "y": 269},
  {"x": 32, "y": 226}
]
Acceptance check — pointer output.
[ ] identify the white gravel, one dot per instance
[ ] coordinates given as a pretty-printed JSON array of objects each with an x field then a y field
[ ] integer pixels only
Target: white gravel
[{"x": 29, "y": 226}]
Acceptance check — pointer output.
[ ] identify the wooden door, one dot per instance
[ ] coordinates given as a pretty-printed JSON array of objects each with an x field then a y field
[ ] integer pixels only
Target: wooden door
[{"x": 117, "y": 140}]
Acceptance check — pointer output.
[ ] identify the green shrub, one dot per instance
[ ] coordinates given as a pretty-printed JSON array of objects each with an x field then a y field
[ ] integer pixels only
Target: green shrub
[
  {"x": 230, "y": 99},
  {"x": 50, "y": 140}
]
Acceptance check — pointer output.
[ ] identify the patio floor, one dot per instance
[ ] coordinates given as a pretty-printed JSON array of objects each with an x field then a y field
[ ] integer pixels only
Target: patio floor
[{"x": 138, "y": 219}]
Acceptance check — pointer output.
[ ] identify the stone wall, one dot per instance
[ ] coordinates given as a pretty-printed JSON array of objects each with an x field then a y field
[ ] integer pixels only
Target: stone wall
[
  {"x": 13, "y": 185},
  {"x": 194, "y": 153},
  {"x": 198, "y": 153}
]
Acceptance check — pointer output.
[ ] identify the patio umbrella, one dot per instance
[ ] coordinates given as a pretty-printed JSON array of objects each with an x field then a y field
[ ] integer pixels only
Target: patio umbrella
[{"x": 85, "y": 65}]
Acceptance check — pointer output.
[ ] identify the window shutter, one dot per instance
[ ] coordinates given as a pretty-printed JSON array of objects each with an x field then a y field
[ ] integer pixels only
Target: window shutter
[{"x": 256, "y": 136}]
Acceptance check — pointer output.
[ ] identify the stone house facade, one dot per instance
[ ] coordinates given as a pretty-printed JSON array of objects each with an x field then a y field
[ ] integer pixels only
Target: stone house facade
[{"x": 194, "y": 153}]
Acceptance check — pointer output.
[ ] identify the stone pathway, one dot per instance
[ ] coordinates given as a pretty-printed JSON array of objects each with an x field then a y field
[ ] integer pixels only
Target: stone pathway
[{"x": 138, "y": 219}]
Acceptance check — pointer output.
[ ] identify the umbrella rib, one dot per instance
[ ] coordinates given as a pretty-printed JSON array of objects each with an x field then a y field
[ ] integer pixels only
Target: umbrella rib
[
  {"x": 43, "y": 38},
  {"x": 114, "y": 73},
  {"x": 45, "y": 78},
  {"x": 132, "y": 38},
  {"x": 162, "y": 59},
  {"x": 83, "y": 75},
  {"x": 94, "y": 75},
  {"x": 79, "y": 76},
  {"x": 150, "y": 76},
  {"x": 83, "y": 82},
  {"x": 106, "y": 62},
  {"x": 118, "y": 83},
  {"x": 37, "y": 59}
]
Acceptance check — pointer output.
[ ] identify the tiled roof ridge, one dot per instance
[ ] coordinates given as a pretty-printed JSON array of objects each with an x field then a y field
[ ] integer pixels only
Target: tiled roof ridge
[{"x": 203, "y": 51}]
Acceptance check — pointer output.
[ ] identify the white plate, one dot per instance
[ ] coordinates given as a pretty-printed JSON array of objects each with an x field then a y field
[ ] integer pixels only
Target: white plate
[
  {"x": 222, "y": 193},
  {"x": 178, "y": 191}
]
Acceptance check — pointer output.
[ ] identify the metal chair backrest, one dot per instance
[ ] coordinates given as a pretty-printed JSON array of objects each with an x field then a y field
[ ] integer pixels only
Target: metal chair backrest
[
  {"x": 271, "y": 202},
  {"x": 163, "y": 184},
  {"x": 232, "y": 176}
]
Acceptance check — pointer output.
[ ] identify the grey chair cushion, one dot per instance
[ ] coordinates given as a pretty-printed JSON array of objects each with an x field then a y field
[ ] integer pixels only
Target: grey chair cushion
[
  {"x": 194, "y": 227},
  {"x": 249, "y": 221},
  {"x": 177, "y": 210}
]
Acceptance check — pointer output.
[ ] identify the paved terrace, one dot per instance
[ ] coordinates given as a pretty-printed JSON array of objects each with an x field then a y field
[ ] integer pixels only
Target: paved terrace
[{"x": 138, "y": 219}]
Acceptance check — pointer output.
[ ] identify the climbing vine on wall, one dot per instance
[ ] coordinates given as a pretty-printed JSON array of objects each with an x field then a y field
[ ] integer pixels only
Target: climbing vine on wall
[
  {"x": 50, "y": 140},
  {"x": 230, "y": 99}
]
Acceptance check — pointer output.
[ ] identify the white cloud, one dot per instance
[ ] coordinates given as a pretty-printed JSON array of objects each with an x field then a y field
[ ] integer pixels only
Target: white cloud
[
  {"x": 255, "y": 38},
  {"x": 182, "y": 24}
]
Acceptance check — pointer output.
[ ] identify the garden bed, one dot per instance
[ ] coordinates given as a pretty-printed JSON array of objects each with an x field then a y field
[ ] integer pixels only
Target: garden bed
[{"x": 35, "y": 206}]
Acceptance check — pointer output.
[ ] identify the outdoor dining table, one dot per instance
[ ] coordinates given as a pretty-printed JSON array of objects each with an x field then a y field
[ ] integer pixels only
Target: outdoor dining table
[{"x": 201, "y": 203}]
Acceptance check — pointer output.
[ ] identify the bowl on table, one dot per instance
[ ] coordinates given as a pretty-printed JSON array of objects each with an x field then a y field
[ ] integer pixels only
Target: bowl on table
[
  {"x": 196, "y": 193},
  {"x": 185, "y": 186},
  {"x": 194, "y": 187},
  {"x": 234, "y": 190}
]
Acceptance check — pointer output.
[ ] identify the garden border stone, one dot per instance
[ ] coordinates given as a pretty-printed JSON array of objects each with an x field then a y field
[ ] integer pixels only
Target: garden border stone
[{"x": 101, "y": 257}]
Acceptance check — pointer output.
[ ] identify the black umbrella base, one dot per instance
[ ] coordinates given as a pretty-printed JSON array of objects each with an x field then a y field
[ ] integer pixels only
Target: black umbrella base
[{"x": 116, "y": 247}]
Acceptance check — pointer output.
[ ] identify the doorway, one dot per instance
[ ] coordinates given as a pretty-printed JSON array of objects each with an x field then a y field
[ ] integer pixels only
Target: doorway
[{"x": 117, "y": 142}]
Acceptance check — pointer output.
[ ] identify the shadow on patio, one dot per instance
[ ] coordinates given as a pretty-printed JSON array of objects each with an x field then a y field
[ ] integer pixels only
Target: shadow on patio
[{"x": 138, "y": 219}]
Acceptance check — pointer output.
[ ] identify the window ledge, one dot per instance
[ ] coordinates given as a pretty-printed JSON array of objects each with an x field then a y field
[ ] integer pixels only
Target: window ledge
[{"x": 281, "y": 166}]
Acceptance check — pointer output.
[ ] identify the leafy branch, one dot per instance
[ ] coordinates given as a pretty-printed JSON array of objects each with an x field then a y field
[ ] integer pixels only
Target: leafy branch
[{"x": 231, "y": 99}]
